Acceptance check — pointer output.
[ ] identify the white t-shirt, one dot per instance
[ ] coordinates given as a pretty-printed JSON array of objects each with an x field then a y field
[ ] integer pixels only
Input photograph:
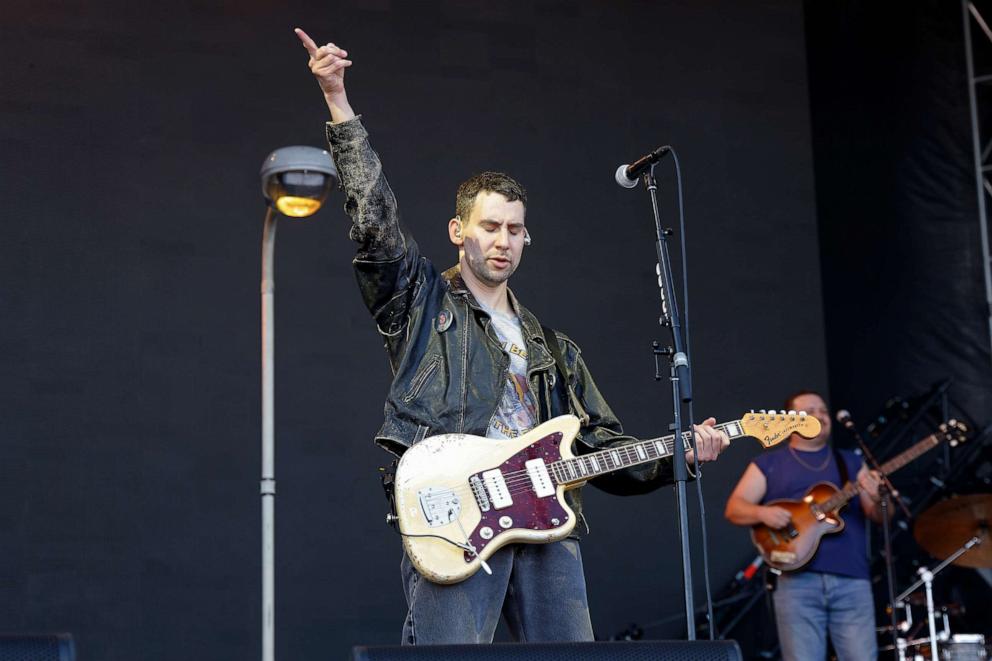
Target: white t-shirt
[{"x": 517, "y": 411}]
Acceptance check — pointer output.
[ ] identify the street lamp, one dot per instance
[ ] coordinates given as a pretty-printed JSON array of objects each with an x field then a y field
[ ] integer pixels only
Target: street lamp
[{"x": 295, "y": 181}]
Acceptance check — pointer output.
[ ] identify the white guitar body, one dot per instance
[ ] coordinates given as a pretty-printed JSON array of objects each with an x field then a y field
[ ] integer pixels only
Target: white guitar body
[
  {"x": 481, "y": 494},
  {"x": 459, "y": 498}
]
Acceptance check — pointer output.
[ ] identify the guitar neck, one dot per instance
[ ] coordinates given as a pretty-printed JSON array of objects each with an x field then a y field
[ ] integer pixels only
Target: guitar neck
[
  {"x": 579, "y": 469},
  {"x": 851, "y": 489}
]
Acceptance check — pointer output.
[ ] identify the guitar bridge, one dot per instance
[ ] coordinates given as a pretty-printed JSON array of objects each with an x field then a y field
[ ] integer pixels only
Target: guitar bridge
[{"x": 480, "y": 493}]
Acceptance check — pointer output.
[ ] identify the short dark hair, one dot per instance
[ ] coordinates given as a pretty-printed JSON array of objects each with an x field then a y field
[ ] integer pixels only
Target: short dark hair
[
  {"x": 791, "y": 399},
  {"x": 489, "y": 182}
]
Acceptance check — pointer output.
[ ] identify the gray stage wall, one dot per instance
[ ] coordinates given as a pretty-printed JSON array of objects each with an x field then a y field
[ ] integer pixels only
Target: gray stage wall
[{"x": 131, "y": 135}]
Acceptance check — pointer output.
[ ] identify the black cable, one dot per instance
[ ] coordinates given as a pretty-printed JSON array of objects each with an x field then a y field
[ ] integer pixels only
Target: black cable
[{"x": 692, "y": 436}]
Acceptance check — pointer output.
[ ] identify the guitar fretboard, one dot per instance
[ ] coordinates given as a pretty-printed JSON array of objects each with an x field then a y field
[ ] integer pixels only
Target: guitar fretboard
[
  {"x": 588, "y": 466},
  {"x": 851, "y": 489}
]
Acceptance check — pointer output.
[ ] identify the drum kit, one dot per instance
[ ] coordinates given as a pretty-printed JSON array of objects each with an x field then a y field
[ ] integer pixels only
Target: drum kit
[{"x": 957, "y": 532}]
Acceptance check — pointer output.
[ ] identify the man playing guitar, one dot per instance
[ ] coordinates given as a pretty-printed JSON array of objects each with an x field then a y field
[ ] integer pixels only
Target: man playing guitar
[
  {"x": 468, "y": 358},
  {"x": 831, "y": 594}
]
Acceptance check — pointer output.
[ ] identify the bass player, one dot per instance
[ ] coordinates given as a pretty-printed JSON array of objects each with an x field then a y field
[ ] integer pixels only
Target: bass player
[
  {"x": 831, "y": 595},
  {"x": 467, "y": 357}
]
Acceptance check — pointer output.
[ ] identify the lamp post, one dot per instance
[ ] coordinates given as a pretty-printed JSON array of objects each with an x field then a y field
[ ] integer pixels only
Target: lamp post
[{"x": 295, "y": 182}]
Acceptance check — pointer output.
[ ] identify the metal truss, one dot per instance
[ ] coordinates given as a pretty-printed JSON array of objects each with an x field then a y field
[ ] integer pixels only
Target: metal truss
[{"x": 974, "y": 13}]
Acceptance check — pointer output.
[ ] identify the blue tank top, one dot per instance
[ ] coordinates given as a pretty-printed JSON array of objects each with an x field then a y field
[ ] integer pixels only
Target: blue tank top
[{"x": 839, "y": 553}]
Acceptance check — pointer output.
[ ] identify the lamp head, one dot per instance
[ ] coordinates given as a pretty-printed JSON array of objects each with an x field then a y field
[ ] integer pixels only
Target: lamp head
[{"x": 296, "y": 180}]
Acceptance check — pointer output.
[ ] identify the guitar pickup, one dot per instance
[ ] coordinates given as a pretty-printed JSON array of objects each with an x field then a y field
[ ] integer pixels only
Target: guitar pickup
[
  {"x": 791, "y": 529},
  {"x": 497, "y": 489},
  {"x": 480, "y": 493},
  {"x": 539, "y": 478}
]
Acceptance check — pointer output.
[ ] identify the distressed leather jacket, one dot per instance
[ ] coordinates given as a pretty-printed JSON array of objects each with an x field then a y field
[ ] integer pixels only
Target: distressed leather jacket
[{"x": 448, "y": 365}]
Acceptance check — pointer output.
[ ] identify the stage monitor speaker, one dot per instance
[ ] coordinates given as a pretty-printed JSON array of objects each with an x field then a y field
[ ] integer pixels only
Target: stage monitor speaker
[
  {"x": 37, "y": 647},
  {"x": 658, "y": 650}
]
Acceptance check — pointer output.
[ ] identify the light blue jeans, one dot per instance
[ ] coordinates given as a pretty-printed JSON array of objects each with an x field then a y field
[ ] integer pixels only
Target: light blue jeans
[
  {"x": 538, "y": 588},
  {"x": 809, "y": 605}
]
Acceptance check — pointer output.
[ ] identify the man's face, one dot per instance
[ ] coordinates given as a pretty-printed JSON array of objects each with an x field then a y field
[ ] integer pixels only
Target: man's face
[
  {"x": 493, "y": 237},
  {"x": 816, "y": 407}
]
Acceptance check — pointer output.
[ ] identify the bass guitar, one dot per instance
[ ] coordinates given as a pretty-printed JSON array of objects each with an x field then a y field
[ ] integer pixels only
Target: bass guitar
[
  {"x": 459, "y": 498},
  {"x": 818, "y": 512}
]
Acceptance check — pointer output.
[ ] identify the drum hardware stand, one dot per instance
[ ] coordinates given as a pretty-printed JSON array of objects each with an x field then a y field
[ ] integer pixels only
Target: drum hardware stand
[{"x": 926, "y": 579}]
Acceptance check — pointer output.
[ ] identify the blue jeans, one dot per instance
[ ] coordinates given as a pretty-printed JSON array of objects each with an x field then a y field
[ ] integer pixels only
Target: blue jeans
[
  {"x": 539, "y": 589},
  {"x": 809, "y": 605}
]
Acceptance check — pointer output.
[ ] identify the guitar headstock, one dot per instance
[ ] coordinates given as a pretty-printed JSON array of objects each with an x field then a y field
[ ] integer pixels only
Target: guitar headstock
[
  {"x": 953, "y": 431},
  {"x": 773, "y": 427}
]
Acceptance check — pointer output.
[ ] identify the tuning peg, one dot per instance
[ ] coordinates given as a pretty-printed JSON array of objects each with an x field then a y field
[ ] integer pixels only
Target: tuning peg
[
  {"x": 802, "y": 414},
  {"x": 792, "y": 412},
  {"x": 762, "y": 411}
]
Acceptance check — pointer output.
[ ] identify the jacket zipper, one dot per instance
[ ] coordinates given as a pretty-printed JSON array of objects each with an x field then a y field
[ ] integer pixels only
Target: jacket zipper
[{"x": 421, "y": 379}]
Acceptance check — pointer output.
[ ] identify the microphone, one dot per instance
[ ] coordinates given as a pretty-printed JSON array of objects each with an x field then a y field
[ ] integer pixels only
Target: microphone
[
  {"x": 844, "y": 418},
  {"x": 627, "y": 175}
]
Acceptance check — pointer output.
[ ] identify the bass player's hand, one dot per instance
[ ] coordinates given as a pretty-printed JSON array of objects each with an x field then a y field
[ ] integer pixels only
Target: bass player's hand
[{"x": 774, "y": 517}]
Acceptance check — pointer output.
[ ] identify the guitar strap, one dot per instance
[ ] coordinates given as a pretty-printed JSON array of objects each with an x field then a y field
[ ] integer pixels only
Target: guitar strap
[
  {"x": 576, "y": 407},
  {"x": 841, "y": 466}
]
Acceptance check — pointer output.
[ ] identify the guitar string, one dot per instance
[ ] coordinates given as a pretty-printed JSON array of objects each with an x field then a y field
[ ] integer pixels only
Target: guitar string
[
  {"x": 519, "y": 481},
  {"x": 629, "y": 454},
  {"x": 629, "y": 451},
  {"x": 668, "y": 442}
]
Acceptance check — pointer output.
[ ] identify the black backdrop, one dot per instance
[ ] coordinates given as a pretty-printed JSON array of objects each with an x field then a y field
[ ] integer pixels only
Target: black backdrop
[
  {"x": 131, "y": 136},
  {"x": 896, "y": 199}
]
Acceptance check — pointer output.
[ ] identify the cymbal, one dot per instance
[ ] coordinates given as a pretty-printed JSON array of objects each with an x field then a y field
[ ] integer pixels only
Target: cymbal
[{"x": 948, "y": 525}]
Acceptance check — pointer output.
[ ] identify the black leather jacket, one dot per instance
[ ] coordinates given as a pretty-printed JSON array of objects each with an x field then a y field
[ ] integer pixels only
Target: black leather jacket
[{"x": 448, "y": 365}]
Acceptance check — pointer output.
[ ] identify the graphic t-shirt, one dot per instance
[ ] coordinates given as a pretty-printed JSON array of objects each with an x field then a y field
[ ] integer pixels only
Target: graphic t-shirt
[{"x": 517, "y": 410}]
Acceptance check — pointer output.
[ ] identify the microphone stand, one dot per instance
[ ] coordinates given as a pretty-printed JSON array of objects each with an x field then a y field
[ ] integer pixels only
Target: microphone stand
[
  {"x": 681, "y": 392},
  {"x": 887, "y": 491}
]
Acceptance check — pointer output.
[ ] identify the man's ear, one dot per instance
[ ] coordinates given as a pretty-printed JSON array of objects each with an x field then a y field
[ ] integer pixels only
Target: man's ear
[{"x": 455, "y": 230}]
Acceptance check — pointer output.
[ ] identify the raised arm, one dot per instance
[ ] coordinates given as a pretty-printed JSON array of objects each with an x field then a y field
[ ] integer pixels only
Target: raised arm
[{"x": 388, "y": 263}]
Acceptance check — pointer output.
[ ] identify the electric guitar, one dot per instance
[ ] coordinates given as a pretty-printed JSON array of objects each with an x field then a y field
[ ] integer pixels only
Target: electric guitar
[
  {"x": 817, "y": 514},
  {"x": 459, "y": 498}
]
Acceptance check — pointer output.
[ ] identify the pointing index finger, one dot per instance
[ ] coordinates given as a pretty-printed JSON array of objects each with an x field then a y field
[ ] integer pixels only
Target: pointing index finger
[{"x": 308, "y": 43}]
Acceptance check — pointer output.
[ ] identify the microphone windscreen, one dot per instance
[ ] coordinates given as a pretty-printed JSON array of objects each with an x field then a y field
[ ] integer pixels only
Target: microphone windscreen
[{"x": 622, "y": 178}]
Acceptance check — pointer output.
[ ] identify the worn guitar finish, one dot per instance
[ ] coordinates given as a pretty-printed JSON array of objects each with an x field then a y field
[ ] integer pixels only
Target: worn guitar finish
[
  {"x": 459, "y": 498},
  {"x": 818, "y": 513}
]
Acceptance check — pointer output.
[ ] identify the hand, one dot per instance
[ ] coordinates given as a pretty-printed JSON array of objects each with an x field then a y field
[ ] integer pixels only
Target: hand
[
  {"x": 774, "y": 517},
  {"x": 710, "y": 442},
  {"x": 869, "y": 482},
  {"x": 327, "y": 63}
]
